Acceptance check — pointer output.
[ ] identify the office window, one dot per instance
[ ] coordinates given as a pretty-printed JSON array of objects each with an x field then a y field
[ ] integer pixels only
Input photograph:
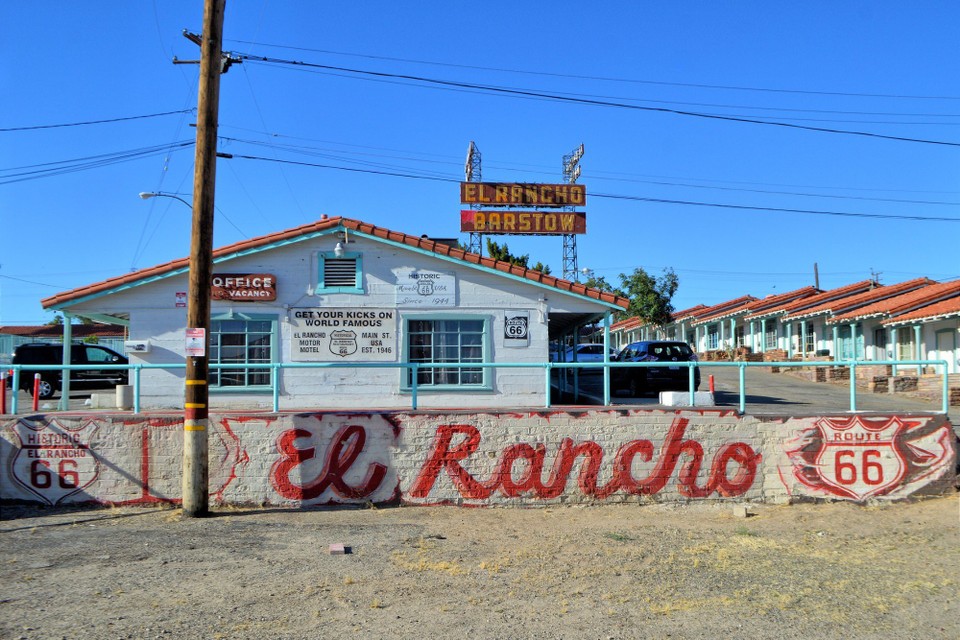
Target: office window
[
  {"x": 242, "y": 340},
  {"x": 441, "y": 340}
]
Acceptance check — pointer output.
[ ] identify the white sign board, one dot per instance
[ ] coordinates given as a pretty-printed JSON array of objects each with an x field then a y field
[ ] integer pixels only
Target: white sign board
[
  {"x": 196, "y": 342},
  {"x": 421, "y": 288},
  {"x": 343, "y": 334}
]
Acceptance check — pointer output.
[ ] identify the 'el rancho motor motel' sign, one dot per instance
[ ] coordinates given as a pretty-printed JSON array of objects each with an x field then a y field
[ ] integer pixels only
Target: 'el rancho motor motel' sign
[{"x": 343, "y": 334}]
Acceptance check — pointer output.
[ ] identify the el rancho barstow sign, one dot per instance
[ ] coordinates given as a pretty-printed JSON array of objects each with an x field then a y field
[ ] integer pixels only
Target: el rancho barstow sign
[
  {"x": 244, "y": 287},
  {"x": 508, "y": 221}
]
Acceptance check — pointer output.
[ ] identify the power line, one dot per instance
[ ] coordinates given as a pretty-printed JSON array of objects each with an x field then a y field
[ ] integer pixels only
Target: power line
[
  {"x": 589, "y": 102},
  {"x": 605, "y": 78},
  {"x": 47, "y": 169},
  {"x": 320, "y": 152},
  {"x": 620, "y": 197},
  {"x": 80, "y": 124}
]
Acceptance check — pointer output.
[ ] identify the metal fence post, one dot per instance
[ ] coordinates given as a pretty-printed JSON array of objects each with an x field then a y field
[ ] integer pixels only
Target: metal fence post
[{"x": 853, "y": 387}]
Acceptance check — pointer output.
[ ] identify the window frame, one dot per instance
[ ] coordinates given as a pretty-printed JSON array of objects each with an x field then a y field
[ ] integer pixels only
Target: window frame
[
  {"x": 486, "y": 346},
  {"x": 274, "y": 332},
  {"x": 322, "y": 258}
]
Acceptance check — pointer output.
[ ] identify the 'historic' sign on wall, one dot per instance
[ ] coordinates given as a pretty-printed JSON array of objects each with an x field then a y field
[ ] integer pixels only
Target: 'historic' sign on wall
[
  {"x": 340, "y": 334},
  {"x": 421, "y": 288}
]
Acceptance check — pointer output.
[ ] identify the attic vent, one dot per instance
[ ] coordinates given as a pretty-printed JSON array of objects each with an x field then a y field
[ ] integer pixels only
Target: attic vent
[{"x": 340, "y": 272}]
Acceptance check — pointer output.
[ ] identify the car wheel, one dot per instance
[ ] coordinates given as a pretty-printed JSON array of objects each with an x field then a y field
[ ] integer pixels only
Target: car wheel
[{"x": 46, "y": 389}]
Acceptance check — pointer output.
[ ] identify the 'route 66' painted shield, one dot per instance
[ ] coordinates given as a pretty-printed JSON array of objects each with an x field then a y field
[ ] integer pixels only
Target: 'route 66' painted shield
[{"x": 859, "y": 458}]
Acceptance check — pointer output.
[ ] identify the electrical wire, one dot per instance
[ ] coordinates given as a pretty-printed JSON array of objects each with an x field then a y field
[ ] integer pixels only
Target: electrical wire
[
  {"x": 622, "y": 197},
  {"x": 80, "y": 124},
  {"x": 47, "y": 169},
  {"x": 588, "y": 102},
  {"x": 603, "y": 78}
]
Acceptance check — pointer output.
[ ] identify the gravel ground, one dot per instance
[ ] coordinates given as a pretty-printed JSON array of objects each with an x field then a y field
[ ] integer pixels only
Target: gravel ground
[{"x": 832, "y": 570}]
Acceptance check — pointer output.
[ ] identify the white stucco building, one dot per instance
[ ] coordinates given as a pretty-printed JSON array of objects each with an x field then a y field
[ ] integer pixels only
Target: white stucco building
[{"x": 340, "y": 291}]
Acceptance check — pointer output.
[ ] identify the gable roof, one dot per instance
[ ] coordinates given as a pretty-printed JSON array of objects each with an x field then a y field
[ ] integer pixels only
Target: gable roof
[
  {"x": 848, "y": 303},
  {"x": 936, "y": 311},
  {"x": 683, "y": 314},
  {"x": 773, "y": 303},
  {"x": 904, "y": 303},
  {"x": 326, "y": 226},
  {"x": 831, "y": 294},
  {"x": 722, "y": 310}
]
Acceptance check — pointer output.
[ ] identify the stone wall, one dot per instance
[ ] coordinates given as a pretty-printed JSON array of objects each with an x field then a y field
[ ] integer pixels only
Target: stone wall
[{"x": 477, "y": 458}]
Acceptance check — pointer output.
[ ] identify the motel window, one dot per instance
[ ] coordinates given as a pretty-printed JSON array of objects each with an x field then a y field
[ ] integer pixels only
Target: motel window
[
  {"x": 769, "y": 334},
  {"x": 713, "y": 336},
  {"x": 738, "y": 336},
  {"x": 242, "y": 340},
  {"x": 447, "y": 340},
  {"x": 340, "y": 274},
  {"x": 809, "y": 340}
]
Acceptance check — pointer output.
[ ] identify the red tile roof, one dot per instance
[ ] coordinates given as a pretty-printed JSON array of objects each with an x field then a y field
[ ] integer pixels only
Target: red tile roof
[
  {"x": 728, "y": 308},
  {"x": 849, "y": 303},
  {"x": 771, "y": 303},
  {"x": 810, "y": 301},
  {"x": 683, "y": 314},
  {"x": 329, "y": 224},
  {"x": 904, "y": 303},
  {"x": 936, "y": 311}
]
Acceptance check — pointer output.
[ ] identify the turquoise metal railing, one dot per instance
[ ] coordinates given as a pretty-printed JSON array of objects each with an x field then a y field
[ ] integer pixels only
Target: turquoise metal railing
[{"x": 548, "y": 367}]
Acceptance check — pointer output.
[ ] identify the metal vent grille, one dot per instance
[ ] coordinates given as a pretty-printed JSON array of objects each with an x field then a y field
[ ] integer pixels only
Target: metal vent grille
[{"x": 340, "y": 272}]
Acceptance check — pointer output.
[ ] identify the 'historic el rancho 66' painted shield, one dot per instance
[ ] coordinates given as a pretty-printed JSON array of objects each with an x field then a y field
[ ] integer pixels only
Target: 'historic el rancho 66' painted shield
[
  {"x": 860, "y": 458},
  {"x": 54, "y": 462}
]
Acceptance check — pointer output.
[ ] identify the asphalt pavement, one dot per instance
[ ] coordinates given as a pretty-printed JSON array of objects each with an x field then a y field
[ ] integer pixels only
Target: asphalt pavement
[{"x": 774, "y": 394}]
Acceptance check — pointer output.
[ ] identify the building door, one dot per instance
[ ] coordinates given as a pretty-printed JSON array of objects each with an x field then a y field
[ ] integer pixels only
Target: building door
[
  {"x": 947, "y": 349},
  {"x": 880, "y": 344}
]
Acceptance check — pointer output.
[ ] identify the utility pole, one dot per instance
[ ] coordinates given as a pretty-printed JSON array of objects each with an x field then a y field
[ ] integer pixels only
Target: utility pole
[{"x": 196, "y": 473}]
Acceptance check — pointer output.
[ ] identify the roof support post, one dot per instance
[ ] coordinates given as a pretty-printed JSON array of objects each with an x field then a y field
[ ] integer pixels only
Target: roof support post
[
  {"x": 918, "y": 349},
  {"x": 896, "y": 350},
  {"x": 836, "y": 343},
  {"x": 853, "y": 340},
  {"x": 64, "y": 404},
  {"x": 606, "y": 358},
  {"x": 803, "y": 339}
]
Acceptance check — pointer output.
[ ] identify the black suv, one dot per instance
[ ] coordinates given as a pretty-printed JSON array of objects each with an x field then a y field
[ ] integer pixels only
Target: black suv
[
  {"x": 88, "y": 355},
  {"x": 673, "y": 376}
]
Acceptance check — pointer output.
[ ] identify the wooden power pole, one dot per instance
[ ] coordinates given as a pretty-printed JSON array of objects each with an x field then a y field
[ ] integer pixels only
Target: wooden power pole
[{"x": 196, "y": 473}]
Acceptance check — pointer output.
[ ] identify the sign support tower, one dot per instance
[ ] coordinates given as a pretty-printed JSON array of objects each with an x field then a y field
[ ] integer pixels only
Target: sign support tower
[
  {"x": 571, "y": 171},
  {"x": 472, "y": 173}
]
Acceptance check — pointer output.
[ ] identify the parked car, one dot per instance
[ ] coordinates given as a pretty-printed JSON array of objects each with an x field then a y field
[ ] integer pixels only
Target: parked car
[
  {"x": 586, "y": 352},
  {"x": 670, "y": 377},
  {"x": 88, "y": 355}
]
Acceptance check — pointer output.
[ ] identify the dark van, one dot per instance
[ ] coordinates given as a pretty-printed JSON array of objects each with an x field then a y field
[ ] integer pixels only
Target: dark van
[{"x": 90, "y": 356}]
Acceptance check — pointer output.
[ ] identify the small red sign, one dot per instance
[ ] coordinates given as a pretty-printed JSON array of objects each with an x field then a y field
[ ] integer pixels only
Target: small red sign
[{"x": 244, "y": 287}]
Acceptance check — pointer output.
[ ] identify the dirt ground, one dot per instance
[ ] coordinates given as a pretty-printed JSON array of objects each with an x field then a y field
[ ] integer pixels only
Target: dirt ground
[{"x": 619, "y": 571}]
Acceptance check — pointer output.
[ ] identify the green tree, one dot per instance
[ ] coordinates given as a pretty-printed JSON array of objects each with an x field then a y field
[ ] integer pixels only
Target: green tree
[
  {"x": 502, "y": 252},
  {"x": 649, "y": 295}
]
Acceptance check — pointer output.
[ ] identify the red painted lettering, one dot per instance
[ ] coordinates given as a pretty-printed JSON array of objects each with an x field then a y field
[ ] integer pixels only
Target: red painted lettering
[{"x": 345, "y": 448}]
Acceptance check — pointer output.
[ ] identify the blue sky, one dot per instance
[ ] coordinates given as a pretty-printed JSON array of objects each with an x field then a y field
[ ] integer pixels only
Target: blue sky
[{"x": 734, "y": 207}]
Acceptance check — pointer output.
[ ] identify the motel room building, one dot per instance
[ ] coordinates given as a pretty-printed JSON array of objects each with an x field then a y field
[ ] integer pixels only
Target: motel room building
[
  {"x": 343, "y": 292},
  {"x": 922, "y": 324},
  {"x": 848, "y": 340}
]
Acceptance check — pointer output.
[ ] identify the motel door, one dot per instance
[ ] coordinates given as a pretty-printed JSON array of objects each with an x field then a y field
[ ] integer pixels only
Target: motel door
[
  {"x": 947, "y": 349},
  {"x": 845, "y": 350}
]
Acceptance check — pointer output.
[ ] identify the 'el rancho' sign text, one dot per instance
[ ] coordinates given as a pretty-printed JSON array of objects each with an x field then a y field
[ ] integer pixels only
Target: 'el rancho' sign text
[{"x": 509, "y": 194}]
